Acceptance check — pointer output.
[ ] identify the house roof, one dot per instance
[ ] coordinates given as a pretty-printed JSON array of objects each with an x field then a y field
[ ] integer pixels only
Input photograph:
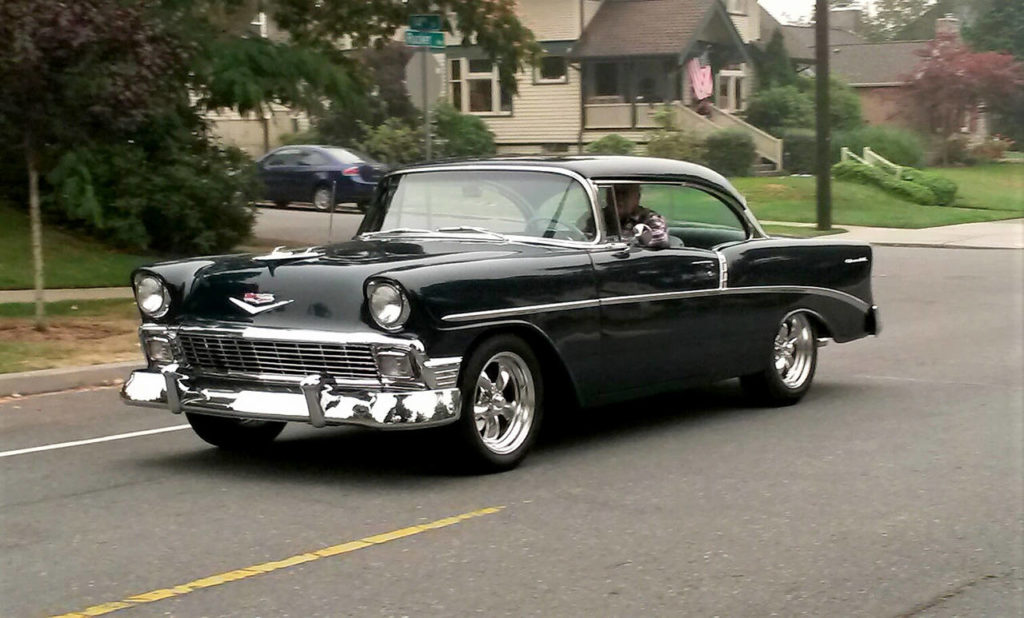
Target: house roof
[
  {"x": 642, "y": 27},
  {"x": 800, "y": 40},
  {"x": 876, "y": 64}
]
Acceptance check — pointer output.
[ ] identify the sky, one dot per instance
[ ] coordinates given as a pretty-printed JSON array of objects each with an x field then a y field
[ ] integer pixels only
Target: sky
[{"x": 791, "y": 10}]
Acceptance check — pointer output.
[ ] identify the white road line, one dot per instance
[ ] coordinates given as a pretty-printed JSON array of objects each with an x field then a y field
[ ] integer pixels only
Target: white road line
[{"x": 120, "y": 436}]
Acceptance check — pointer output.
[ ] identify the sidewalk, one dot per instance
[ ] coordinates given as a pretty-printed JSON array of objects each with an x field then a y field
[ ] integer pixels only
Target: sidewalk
[
  {"x": 28, "y": 296},
  {"x": 1008, "y": 234}
]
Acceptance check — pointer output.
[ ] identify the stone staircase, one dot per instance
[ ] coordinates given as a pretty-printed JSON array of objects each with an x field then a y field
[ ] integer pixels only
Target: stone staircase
[{"x": 768, "y": 147}]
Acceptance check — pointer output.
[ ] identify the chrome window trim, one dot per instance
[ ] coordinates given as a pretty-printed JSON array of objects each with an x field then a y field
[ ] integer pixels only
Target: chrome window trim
[
  {"x": 588, "y": 188},
  {"x": 654, "y": 297}
]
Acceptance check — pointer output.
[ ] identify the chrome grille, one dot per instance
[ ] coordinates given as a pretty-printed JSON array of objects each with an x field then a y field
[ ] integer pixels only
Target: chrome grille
[{"x": 233, "y": 354}]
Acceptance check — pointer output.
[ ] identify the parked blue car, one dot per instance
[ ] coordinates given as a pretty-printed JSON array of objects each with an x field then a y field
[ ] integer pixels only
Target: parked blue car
[{"x": 306, "y": 173}]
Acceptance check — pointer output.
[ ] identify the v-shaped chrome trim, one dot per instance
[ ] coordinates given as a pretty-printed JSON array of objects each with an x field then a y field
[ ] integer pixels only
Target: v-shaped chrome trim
[{"x": 251, "y": 310}]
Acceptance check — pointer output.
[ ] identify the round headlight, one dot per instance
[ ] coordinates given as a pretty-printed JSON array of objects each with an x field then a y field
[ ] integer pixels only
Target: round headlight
[
  {"x": 152, "y": 295},
  {"x": 388, "y": 306}
]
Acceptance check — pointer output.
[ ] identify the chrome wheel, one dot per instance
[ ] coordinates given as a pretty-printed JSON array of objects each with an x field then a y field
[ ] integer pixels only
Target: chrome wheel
[
  {"x": 322, "y": 198},
  {"x": 504, "y": 403},
  {"x": 794, "y": 351}
]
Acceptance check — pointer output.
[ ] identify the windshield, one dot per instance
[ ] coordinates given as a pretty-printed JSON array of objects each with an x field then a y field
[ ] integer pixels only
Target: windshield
[{"x": 535, "y": 204}]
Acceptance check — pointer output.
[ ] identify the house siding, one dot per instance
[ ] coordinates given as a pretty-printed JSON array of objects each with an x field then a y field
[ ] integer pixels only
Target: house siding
[{"x": 541, "y": 113}]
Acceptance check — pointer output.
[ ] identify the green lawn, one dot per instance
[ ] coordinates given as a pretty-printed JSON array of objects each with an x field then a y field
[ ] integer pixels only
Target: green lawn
[
  {"x": 80, "y": 333},
  {"x": 795, "y": 231},
  {"x": 70, "y": 261},
  {"x": 987, "y": 193}
]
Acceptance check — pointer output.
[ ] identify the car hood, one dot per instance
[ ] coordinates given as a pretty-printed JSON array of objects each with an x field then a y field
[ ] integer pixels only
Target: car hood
[{"x": 325, "y": 290}]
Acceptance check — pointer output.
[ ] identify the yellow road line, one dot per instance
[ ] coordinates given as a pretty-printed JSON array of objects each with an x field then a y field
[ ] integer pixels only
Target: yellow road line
[{"x": 276, "y": 565}]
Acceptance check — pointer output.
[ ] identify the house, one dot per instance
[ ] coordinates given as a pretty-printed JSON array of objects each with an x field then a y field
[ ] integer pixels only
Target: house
[{"x": 610, "y": 65}]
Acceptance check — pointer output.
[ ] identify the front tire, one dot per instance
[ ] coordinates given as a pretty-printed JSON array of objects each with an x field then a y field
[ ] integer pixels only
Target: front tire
[
  {"x": 502, "y": 404},
  {"x": 232, "y": 433},
  {"x": 791, "y": 366}
]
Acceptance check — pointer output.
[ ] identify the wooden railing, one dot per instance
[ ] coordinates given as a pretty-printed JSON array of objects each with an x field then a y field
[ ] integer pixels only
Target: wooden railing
[{"x": 766, "y": 145}]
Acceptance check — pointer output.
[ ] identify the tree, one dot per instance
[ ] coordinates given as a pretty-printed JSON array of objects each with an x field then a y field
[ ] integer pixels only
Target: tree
[
  {"x": 773, "y": 64},
  {"x": 73, "y": 70},
  {"x": 998, "y": 26},
  {"x": 890, "y": 16},
  {"x": 952, "y": 81}
]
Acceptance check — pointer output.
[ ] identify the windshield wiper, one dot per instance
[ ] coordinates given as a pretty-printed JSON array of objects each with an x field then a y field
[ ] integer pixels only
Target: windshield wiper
[{"x": 469, "y": 228}]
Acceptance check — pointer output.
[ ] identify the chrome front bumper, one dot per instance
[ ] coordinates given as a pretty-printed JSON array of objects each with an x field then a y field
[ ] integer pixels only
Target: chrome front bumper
[
  {"x": 316, "y": 401},
  {"x": 429, "y": 396}
]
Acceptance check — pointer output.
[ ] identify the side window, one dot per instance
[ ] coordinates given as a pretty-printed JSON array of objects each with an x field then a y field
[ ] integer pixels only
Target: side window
[
  {"x": 313, "y": 158},
  {"x": 284, "y": 157},
  {"x": 568, "y": 209},
  {"x": 696, "y": 217}
]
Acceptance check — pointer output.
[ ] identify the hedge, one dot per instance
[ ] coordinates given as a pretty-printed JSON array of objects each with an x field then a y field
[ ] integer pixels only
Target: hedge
[
  {"x": 943, "y": 188},
  {"x": 730, "y": 152},
  {"x": 854, "y": 171},
  {"x": 900, "y": 146},
  {"x": 799, "y": 151},
  {"x": 613, "y": 144}
]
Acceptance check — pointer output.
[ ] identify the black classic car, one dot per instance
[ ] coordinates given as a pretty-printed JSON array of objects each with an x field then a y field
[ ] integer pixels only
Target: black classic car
[{"x": 475, "y": 292}]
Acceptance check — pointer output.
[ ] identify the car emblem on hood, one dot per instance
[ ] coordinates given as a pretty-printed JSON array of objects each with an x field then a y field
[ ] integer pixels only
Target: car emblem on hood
[{"x": 253, "y": 302}]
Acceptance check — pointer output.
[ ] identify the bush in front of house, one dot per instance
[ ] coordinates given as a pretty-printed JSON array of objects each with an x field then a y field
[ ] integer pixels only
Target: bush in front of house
[
  {"x": 783, "y": 107},
  {"x": 855, "y": 171},
  {"x": 730, "y": 152},
  {"x": 393, "y": 141},
  {"x": 613, "y": 144},
  {"x": 173, "y": 193},
  {"x": 992, "y": 149},
  {"x": 799, "y": 151},
  {"x": 461, "y": 135},
  {"x": 943, "y": 188},
  {"x": 901, "y": 146},
  {"x": 681, "y": 145}
]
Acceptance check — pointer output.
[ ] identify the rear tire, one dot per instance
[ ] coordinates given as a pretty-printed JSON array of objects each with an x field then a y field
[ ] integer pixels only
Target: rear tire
[
  {"x": 322, "y": 198},
  {"x": 791, "y": 365},
  {"x": 232, "y": 433},
  {"x": 502, "y": 391}
]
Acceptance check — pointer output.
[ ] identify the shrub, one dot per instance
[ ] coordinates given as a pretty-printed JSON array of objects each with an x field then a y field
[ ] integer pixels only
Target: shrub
[
  {"x": 992, "y": 149},
  {"x": 954, "y": 150},
  {"x": 613, "y": 144},
  {"x": 900, "y": 146},
  {"x": 844, "y": 107},
  {"x": 681, "y": 145},
  {"x": 730, "y": 152},
  {"x": 943, "y": 188},
  {"x": 799, "y": 151},
  {"x": 393, "y": 141},
  {"x": 854, "y": 171},
  {"x": 671, "y": 142},
  {"x": 185, "y": 196},
  {"x": 779, "y": 108},
  {"x": 461, "y": 135}
]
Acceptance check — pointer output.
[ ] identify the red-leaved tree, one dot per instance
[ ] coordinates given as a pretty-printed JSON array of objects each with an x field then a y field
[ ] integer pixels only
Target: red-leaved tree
[{"x": 952, "y": 81}]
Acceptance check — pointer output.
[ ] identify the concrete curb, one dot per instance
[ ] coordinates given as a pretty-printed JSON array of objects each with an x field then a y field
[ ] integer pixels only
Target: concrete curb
[
  {"x": 50, "y": 380},
  {"x": 55, "y": 294}
]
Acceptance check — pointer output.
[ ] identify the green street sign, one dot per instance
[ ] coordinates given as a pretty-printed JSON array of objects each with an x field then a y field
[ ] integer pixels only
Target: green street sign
[
  {"x": 424, "y": 22},
  {"x": 416, "y": 38}
]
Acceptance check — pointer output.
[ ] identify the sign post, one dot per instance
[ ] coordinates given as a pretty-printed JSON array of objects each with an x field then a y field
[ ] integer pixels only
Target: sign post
[{"x": 425, "y": 32}]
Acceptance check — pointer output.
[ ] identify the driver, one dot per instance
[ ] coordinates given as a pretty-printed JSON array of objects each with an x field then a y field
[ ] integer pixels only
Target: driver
[{"x": 632, "y": 214}]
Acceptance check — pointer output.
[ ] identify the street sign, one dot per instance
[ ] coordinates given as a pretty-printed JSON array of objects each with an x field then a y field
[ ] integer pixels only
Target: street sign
[
  {"x": 423, "y": 83},
  {"x": 418, "y": 38},
  {"x": 424, "y": 22}
]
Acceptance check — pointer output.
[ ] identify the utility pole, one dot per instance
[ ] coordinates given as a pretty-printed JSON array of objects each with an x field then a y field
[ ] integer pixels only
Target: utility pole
[{"x": 821, "y": 112}]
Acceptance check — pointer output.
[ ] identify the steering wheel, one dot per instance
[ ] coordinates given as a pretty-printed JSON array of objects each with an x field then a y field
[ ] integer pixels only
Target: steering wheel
[{"x": 539, "y": 225}]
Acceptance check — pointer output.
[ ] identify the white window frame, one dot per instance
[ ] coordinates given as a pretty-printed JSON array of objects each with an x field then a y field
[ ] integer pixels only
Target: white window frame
[
  {"x": 564, "y": 79},
  {"x": 465, "y": 76},
  {"x": 732, "y": 76}
]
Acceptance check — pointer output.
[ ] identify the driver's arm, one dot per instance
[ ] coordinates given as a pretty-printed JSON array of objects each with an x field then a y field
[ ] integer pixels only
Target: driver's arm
[{"x": 659, "y": 229}]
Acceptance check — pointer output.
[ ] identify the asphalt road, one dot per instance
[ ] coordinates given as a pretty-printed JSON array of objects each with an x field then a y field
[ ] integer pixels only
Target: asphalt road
[
  {"x": 893, "y": 489},
  {"x": 301, "y": 225}
]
